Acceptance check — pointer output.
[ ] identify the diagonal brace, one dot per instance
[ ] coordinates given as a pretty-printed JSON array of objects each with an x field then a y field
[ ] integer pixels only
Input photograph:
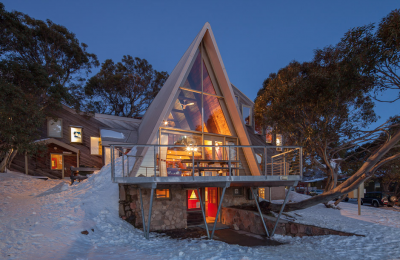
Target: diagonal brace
[
  {"x": 202, "y": 211},
  {"x": 259, "y": 211},
  {"x": 280, "y": 212}
]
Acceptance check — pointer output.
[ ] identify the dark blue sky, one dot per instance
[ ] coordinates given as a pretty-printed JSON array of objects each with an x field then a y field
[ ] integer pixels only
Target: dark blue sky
[{"x": 255, "y": 38}]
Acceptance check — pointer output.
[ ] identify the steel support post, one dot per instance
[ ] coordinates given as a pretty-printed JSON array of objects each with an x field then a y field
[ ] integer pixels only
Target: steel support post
[
  {"x": 155, "y": 163},
  {"x": 142, "y": 211},
  {"x": 151, "y": 207},
  {"x": 202, "y": 211},
  {"x": 219, "y": 209},
  {"x": 280, "y": 212},
  {"x": 259, "y": 211}
]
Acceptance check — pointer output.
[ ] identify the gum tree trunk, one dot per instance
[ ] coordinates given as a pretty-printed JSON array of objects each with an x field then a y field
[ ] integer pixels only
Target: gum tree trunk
[{"x": 365, "y": 172}]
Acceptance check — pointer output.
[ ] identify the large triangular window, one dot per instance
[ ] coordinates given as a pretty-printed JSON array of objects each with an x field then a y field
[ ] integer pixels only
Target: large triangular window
[{"x": 199, "y": 107}]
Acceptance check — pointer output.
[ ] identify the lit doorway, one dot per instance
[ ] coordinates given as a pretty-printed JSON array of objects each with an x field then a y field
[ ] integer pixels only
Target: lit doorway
[{"x": 211, "y": 199}]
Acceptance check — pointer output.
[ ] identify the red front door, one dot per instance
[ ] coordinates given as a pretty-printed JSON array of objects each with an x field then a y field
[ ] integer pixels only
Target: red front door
[{"x": 212, "y": 202}]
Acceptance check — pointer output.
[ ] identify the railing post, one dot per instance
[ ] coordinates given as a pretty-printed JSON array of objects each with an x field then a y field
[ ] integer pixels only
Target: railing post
[
  {"x": 229, "y": 163},
  {"x": 127, "y": 165},
  {"x": 193, "y": 165},
  {"x": 112, "y": 163},
  {"x": 272, "y": 166},
  {"x": 155, "y": 163},
  {"x": 265, "y": 161},
  {"x": 284, "y": 164},
  {"x": 123, "y": 163}
]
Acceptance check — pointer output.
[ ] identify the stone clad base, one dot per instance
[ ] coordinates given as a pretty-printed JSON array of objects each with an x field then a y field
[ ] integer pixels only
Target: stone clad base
[
  {"x": 250, "y": 221},
  {"x": 166, "y": 213}
]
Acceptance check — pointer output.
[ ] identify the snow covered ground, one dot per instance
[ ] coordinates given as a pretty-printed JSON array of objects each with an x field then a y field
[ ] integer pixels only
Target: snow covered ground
[{"x": 44, "y": 220}]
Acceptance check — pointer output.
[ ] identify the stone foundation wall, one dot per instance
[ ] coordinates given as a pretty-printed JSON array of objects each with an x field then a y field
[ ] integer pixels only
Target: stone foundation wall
[
  {"x": 250, "y": 221},
  {"x": 166, "y": 213}
]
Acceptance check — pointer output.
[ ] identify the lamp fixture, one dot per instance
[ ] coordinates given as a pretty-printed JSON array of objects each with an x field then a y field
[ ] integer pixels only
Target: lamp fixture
[{"x": 184, "y": 105}]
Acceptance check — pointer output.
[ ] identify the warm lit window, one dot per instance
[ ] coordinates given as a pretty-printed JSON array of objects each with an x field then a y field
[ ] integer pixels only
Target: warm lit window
[
  {"x": 268, "y": 135},
  {"x": 54, "y": 128},
  {"x": 193, "y": 200},
  {"x": 95, "y": 146},
  {"x": 76, "y": 134},
  {"x": 261, "y": 193},
  {"x": 162, "y": 194},
  {"x": 279, "y": 141},
  {"x": 56, "y": 161},
  {"x": 246, "y": 113}
]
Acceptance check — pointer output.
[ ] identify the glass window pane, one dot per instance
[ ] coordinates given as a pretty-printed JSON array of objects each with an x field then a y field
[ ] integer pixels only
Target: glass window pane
[
  {"x": 54, "y": 128},
  {"x": 56, "y": 162},
  {"x": 193, "y": 80},
  {"x": 268, "y": 135},
  {"x": 193, "y": 199},
  {"x": 162, "y": 194},
  {"x": 95, "y": 146},
  {"x": 186, "y": 112},
  {"x": 176, "y": 160},
  {"x": 207, "y": 84},
  {"x": 76, "y": 135},
  {"x": 246, "y": 113},
  {"x": 214, "y": 118}
]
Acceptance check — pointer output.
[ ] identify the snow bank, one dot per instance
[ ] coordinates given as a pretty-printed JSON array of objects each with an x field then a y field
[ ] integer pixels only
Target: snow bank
[{"x": 44, "y": 220}]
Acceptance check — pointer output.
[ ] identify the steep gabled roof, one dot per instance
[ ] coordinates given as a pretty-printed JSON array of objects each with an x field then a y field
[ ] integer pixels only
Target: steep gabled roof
[{"x": 159, "y": 107}]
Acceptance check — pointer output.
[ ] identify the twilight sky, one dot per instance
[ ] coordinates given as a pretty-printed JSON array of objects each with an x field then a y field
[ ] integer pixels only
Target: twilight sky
[{"x": 255, "y": 38}]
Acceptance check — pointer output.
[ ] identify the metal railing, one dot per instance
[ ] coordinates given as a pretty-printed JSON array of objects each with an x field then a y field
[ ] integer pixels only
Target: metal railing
[{"x": 154, "y": 160}]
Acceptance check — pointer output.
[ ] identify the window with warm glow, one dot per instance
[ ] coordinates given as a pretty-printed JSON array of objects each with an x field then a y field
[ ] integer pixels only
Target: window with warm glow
[
  {"x": 95, "y": 146},
  {"x": 76, "y": 134},
  {"x": 199, "y": 107},
  {"x": 268, "y": 135},
  {"x": 162, "y": 194},
  {"x": 56, "y": 161},
  {"x": 261, "y": 193},
  {"x": 54, "y": 128},
  {"x": 193, "y": 199},
  {"x": 279, "y": 141}
]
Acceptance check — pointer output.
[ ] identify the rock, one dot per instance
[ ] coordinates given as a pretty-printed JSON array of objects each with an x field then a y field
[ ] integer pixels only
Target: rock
[
  {"x": 85, "y": 232},
  {"x": 235, "y": 227}
]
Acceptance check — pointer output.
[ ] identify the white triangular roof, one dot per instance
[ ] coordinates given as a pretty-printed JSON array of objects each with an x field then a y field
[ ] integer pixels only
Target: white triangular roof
[{"x": 158, "y": 109}]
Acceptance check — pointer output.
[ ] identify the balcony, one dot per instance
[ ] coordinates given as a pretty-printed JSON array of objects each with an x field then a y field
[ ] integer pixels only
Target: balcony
[{"x": 206, "y": 165}]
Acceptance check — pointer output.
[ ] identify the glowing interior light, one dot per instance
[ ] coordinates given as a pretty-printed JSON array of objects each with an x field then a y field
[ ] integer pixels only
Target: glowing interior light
[{"x": 193, "y": 196}]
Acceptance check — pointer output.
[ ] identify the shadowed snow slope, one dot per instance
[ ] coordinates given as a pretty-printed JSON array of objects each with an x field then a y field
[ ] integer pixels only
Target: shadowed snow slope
[{"x": 44, "y": 220}]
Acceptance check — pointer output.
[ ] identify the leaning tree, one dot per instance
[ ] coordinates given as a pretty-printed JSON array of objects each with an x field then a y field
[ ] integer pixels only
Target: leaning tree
[
  {"x": 324, "y": 105},
  {"x": 38, "y": 62}
]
